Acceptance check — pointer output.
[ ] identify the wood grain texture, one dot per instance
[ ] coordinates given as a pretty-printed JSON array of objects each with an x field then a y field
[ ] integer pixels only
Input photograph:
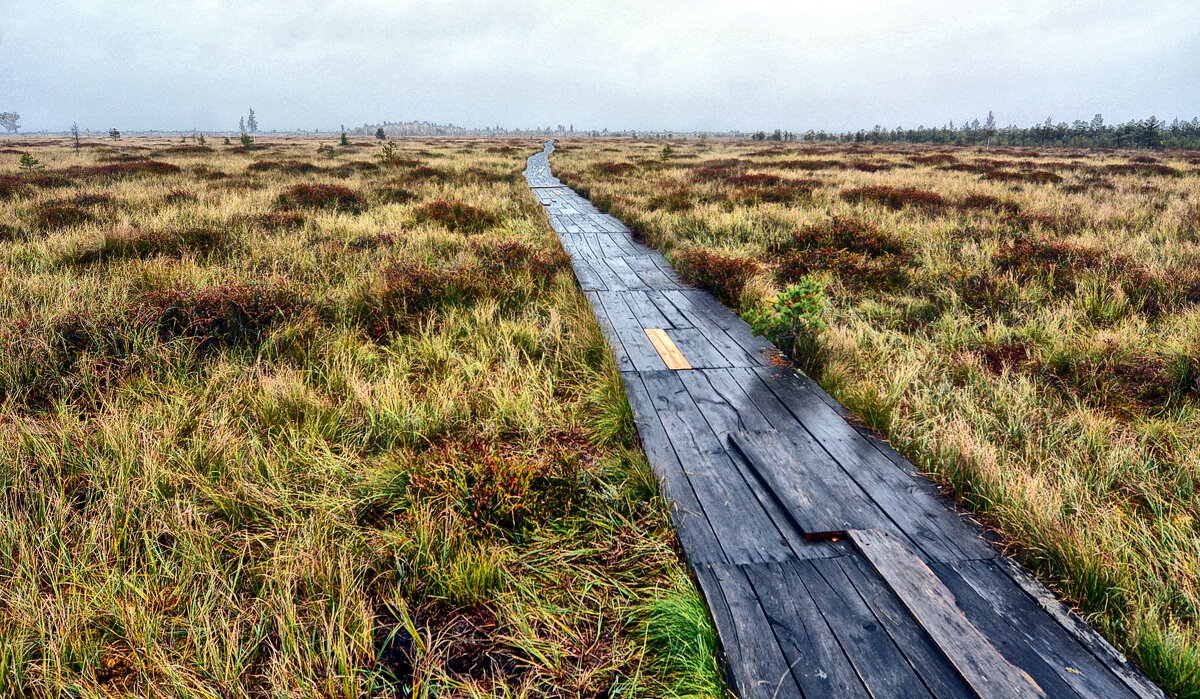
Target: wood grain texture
[
  {"x": 667, "y": 349},
  {"x": 988, "y": 672}
]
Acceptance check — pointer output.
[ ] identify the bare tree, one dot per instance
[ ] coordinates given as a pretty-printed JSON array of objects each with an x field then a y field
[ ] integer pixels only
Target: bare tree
[
  {"x": 75, "y": 135},
  {"x": 10, "y": 121},
  {"x": 252, "y": 123}
]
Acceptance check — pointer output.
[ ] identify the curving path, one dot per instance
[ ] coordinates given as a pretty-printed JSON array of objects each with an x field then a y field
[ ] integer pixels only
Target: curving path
[{"x": 830, "y": 566}]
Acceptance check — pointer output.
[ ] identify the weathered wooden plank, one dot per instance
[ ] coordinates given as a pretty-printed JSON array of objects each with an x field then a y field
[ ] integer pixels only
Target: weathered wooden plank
[
  {"x": 1113, "y": 659},
  {"x": 700, "y": 352},
  {"x": 610, "y": 333},
  {"x": 700, "y": 542},
  {"x": 746, "y": 531},
  {"x": 1000, "y": 634},
  {"x": 628, "y": 277},
  {"x": 585, "y": 275},
  {"x": 738, "y": 330},
  {"x": 648, "y": 314},
  {"x": 926, "y": 658},
  {"x": 937, "y": 531},
  {"x": 755, "y": 664},
  {"x": 651, "y": 275},
  {"x": 667, "y": 349},
  {"x": 637, "y": 345},
  {"x": 668, "y": 310},
  {"x": 723, "y": 404},
  {"x": 815, "y": 491},
  {"x": 1076, "y": 665},
  {"x": 883, "y": 668},
  {"x": 818, "y": 663},
  {"x": 735, "y": 353},
  {"x": 988, "y": 672}
]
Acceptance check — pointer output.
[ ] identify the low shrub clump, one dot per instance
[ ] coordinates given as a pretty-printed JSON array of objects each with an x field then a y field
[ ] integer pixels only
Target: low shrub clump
[
  {"x": 55, "y": 216},
  {"x": 180, "y": 196},
  {"x": 220, "y": 316},
  {"x": 855, "y": 251},
  {"x": 786, "y": 192},
  {"x": 409, "y": 290},
  {"x": 613, "y": 168},
  {"x": 136, "y": 242},
  {"x": 1057, "y": 261},
  {"x": 330, "y": 197},
  {"x": 455, "y": 215},
  {"x": 1033, "y": 176},
  {"x": 724, "y": 276},
  {"x": 136, "y": 168},
  {"x": 895, "y": 197},
  {"x": 757, "y": 179},
  {"x": 500, "y": 256}
]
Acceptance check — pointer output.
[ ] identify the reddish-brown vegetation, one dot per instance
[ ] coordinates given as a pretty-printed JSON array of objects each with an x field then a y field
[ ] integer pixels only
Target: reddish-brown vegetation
[
  {"x": 321, "y": 196},
  {"x": 50, "y": 216},
  {"x": 725, "y": 276},
  {"x": 614, "y": 168},
  {"x": 455, "y": 215},
  {"x": 1032, "y": 176},
  {"x": 895, "y": 197},
  {"x": 219, "y": 316},
  {"x": 854, "y": 250}
]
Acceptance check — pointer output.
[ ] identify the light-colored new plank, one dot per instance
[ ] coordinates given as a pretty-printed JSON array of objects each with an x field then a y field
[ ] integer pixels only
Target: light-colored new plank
[{"x": 670, "y": 354}]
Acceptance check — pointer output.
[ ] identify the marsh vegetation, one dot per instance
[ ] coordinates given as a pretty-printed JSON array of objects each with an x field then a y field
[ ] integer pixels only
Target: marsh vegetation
[
  {"x": 280, "y": 421},
  {"x": 1023, "y": 324}
]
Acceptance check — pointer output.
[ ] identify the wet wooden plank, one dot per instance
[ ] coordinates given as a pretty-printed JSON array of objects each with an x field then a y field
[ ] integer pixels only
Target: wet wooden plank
[
  {"x": 937, "y": 531},
  {"x": 610, "y": 333},
  {"x": 1076, "y": 665},
  {"x": 746, "y": 531},
  {"x": 817, "y": 494},
  {"x": 637, "y": 345},
  {"x": 939, "y": 676},
  {"x": 700, "y": 352},
  {"x": 1109, "y": 656},
  {"x": 628, "y": 277},
  {"x": 696, "y": 534},
  {"x": 927, "y": 598},
  {"x": 756, "y": 667},
  {"x": 722, "y": 402},
  {"x": 818, "y": 664},
  {"x": 648, "y": 314},
  {"x": 883, "y": 668}
]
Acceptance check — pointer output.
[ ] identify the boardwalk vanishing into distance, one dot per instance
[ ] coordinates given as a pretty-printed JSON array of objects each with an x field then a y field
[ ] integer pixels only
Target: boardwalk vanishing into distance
[{"x": 831, "y": 567}]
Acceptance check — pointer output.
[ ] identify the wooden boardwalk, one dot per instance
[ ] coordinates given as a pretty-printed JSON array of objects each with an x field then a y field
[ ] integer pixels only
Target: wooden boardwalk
[{"x": 830, "y": 566}]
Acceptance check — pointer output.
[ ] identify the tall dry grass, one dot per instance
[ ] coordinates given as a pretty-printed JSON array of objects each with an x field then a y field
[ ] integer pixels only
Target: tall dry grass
[{"x": 289, "y": 422}]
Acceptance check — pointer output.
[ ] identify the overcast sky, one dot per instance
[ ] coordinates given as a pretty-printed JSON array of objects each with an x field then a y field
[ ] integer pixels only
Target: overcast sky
[{"x": 641, "y": 64}]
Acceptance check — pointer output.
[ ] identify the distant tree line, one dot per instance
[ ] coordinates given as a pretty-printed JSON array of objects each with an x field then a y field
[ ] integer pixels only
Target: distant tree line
[{"x": 1146, "y": 133}]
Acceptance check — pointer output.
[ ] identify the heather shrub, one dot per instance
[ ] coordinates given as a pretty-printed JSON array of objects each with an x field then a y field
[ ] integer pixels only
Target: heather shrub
[
  {"x": 220, "y": 316},
  {"x": 330, "y": 197},
  {"x": 895, "y": 197},
  {"x": 724, "y": 276},
  {"x": 455, "y": 216},
  {"x": 858, "y": 253},
  {"x": 54, "y": 216},
  {"x": 1034, "y": 176},
  {"x": 408, "y": 290},
  {"x": 613, "y": 168}
]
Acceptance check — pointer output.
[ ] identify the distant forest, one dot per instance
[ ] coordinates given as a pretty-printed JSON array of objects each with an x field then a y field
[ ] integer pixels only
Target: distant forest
[{"x": 1147, "y": 133}]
